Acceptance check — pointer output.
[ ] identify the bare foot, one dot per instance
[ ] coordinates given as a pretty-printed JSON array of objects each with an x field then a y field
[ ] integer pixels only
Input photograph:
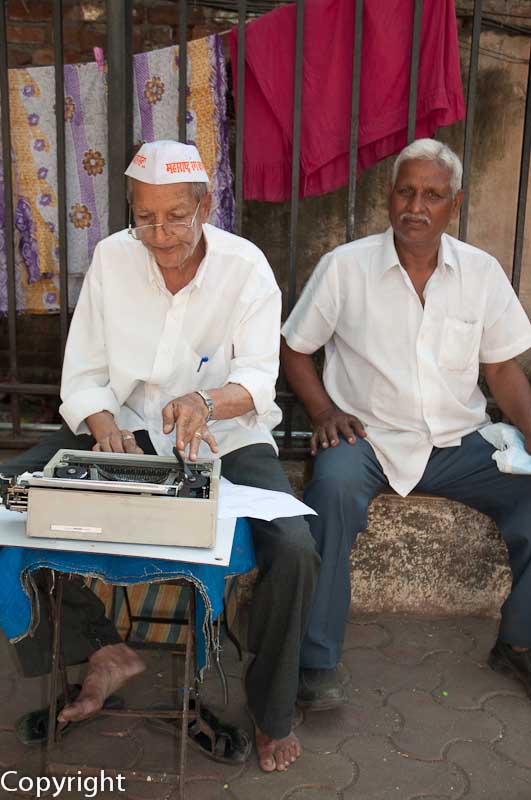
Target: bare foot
[
  {"x": 276, "y": 754},
  {"x": 109, "y": 668}
]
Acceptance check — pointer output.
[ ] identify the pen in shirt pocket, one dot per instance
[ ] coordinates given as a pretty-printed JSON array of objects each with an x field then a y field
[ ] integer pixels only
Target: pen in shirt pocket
[{"x": 202, "y": 360}]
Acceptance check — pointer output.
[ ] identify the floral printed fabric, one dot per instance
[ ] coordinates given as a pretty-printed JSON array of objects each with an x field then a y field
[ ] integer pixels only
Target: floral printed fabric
[{"x": 156, "y": 98}]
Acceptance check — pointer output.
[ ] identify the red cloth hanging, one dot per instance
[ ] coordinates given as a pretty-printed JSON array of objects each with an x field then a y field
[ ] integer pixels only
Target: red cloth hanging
[{"x": 327, "y": 89}]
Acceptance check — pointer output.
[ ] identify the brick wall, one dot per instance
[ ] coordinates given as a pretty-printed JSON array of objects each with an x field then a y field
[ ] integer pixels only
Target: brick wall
[{"x": 155, "y": 24}]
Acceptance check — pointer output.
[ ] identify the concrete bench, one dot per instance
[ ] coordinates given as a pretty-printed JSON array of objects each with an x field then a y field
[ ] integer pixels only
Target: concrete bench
[{"x": 421, "y": 555}]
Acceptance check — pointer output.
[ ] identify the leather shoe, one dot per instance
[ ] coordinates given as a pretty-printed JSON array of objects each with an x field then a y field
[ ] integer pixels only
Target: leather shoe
[
  {"x": 320, "y": 689},
  {"x": 504, "y": 659}
]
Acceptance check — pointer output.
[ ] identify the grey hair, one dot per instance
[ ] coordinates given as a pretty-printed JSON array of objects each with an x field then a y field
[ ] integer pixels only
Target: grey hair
[
  {"x": 199, "y": 189},
  {"x": 432, "y": 150}
]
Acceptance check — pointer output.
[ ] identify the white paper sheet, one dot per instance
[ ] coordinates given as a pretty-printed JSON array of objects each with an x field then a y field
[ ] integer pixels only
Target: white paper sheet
[
  {"x": 13, "y": 533},
  {"x": 246, "y": 501}
]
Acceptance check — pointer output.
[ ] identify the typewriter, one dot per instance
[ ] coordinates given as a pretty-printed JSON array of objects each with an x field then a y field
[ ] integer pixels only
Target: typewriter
[{"x": 116, "y": 497}]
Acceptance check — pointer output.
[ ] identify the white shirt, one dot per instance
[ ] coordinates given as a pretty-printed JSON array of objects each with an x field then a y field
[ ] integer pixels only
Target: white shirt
[
  {"x": 409, "y": 373},
  {"x": 133, "y": 346}
]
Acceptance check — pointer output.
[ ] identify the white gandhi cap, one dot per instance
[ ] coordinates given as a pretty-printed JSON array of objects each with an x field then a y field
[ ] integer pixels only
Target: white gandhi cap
[{"x": 167, "y": 161}]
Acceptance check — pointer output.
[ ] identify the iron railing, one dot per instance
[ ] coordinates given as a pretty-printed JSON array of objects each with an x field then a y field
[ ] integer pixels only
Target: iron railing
[{"x": 120, "y": 87}]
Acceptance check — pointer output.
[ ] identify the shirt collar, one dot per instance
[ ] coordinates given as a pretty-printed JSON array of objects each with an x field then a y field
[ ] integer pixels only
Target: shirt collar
[
  {"x": 389, "y": 257},
  {"x": 155, "y": 275}
]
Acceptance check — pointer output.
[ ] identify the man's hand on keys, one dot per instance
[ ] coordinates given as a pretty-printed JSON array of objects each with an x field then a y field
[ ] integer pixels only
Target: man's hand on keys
[{"x": 187, "y": 415}]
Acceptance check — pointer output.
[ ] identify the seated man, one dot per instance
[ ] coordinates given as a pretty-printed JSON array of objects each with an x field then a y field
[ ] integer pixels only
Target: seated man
[
  {"x": 174, "y": 341},
  {"x": 406, "y": 318}
]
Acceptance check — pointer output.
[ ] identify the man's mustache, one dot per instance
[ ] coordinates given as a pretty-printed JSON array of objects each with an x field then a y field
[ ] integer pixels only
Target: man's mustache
[{"x": 414, "y": 218}]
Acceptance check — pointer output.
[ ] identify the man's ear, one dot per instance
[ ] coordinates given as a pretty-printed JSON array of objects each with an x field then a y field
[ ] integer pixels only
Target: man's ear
[
  {"x": 206, "y": 207},
  {"x": 457, "y": 202}
]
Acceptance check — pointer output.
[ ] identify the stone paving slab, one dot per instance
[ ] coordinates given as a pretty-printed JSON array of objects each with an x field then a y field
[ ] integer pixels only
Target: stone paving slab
[
  {"x": 330, "y": 772},
  {"x": 483, "y": 635},
  {"x": 385, "y": 773},
  {"x": 514, "y": 715},
  {"x": 425, "y": 718},
  {"x": 366, "y": 634},
  {"x": 428, "y": 727},
  {"x": 373, "y": 677},
  {"x": 413, "y": 640},
  {"x": 467, "y": 684},
  {"x": 485, "y": 770},
  {"x": 325, "y": 731}
]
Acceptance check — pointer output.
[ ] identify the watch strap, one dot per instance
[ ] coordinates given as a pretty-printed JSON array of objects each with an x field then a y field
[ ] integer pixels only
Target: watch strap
[{"x": 207, "y": 400}]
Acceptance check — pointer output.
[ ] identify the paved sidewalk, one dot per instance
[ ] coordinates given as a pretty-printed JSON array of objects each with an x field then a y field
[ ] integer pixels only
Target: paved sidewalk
[{"x": 425, "y": 718}]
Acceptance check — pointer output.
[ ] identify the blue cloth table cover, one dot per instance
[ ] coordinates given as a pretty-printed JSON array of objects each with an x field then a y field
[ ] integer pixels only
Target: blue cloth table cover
[{"x": 17, "y": 563}]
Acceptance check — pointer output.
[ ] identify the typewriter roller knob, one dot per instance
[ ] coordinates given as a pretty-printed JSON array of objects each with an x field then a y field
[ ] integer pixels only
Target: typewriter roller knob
[
  {"x": 197, "y": 483},
  {"x": 69, "y": 471},
  {"x": 193, "y": 488}
]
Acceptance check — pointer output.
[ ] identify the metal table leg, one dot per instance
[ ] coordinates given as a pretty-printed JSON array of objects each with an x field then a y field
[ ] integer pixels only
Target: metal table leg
[{"x": 186, "y": 714}]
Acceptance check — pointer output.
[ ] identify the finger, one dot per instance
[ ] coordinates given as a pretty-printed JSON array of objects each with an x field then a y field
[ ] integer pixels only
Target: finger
[
  {"x": 128, "y": 442},
  {"x": 314, "y": 443},
  {"x": 105, "y": 445},
  {"x": 188, "y": 422},
  {"x": 116, "y": 443},
  {"x": 168, "y": 418},
  {"x": 331, "y": 433},
  {"x": 346, "y": 429},
  {"x": 323, "y": 438},
  {"x": 139, "y": 451},
  {"x": 210, "y": 439},
  {"x": 357, "y": 426},
  {"x": 183, "y": 431},
  {"x": 194, "y": 445},
  {"x": 96, "y": 448}
]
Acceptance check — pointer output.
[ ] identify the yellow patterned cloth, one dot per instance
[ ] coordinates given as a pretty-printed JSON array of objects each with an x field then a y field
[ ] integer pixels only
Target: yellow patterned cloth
[{"x": 33, "y": 135}]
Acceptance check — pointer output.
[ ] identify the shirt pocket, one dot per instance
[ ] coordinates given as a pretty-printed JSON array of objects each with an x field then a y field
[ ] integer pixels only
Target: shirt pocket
[
  {"x": 459, "y": 349},
  {"x": 212, "y": 369}
]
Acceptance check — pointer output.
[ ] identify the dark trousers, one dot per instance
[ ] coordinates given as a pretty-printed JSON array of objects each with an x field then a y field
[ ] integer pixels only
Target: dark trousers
[
  {"x": 288, "y": 567},
  {"x": 347, "y": 477}
]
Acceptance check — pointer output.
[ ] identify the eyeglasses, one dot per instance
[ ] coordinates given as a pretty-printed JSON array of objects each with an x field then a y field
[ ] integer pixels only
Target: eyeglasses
[{"x": 142, "y": 232}]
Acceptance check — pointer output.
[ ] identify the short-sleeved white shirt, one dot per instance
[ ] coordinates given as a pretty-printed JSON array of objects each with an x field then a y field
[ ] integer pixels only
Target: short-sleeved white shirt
[
  {"x": 133, "y": 346},
  {"x": 409, "y": 373}
]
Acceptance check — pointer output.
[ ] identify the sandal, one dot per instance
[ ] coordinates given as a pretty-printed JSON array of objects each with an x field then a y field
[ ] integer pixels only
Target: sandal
[
  {"x": 224, "y": 743},
  {"x": 32, "y": 728}
]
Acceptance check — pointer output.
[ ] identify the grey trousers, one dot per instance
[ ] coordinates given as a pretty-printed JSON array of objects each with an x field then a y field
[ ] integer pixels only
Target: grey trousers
[
  {"x": 347, "y": 477},
  {"x": 288, "y": 568}
]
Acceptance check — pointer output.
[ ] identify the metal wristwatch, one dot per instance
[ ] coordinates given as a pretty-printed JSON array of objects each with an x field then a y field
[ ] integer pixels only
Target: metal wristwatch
[{"x": 207, "y": 400}]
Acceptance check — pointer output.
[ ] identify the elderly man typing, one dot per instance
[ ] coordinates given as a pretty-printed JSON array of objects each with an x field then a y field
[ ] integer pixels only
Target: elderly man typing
[
  {"x": 406, "y": 318},
  {"x": 174, "y": 341}
]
